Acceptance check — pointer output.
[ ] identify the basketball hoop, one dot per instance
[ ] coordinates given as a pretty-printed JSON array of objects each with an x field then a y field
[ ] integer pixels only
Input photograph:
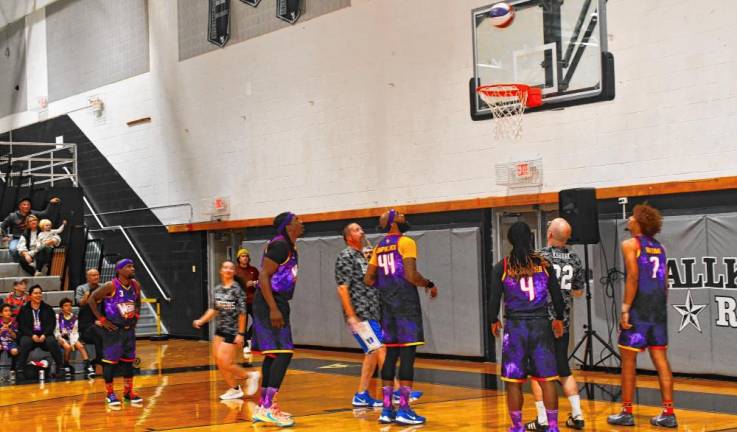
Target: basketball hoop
[{"x": 507, "y": 103}]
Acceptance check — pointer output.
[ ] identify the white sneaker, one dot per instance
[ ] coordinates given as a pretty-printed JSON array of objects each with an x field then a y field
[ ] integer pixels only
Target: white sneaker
[
  {"x": 252, "y": 382},
  {"x": 247, "y": 348},
  {"x": 232, "y": 393}
]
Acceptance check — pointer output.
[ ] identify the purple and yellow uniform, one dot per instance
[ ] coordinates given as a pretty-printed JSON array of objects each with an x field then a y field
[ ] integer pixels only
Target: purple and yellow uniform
[
  {"x": 649, "y": 310},
  {"x": 401, "y": 314},
  {"x": 267, "y": 339},
  {"x": 527, "y": 343},
  {"x": 7, "y": 343},
  {"x": 67, "y": 328},
  {"x": 120, "y": 309}
]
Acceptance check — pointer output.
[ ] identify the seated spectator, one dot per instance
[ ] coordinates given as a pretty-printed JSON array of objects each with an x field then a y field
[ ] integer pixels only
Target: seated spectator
[
  {"x": 14, "y": 224},
  {"x": 47, "y": 238},
  {"x": 36, "y": 325},
  {"x": 67, "y": 334},
  {"x": 32, "y": 262},
  {"x": 18, "y": 297},
  {"x": 90, "y": 330},
  {"x": 8, "y": 335}
]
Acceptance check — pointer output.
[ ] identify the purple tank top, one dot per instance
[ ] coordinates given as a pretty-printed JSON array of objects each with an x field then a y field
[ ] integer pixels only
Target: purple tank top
[
  {"x": 120, "y": 307},
  {"x": 64, "y": 325},
  {"x": 389, "y": 262},
  {"x": 285, "y": 277},
  {"x": 526, "y": 294},
  {"x": 651, "y": 300}
]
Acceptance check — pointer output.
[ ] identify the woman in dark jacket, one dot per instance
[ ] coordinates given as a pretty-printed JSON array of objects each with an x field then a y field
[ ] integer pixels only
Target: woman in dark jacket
[{"x": 36, "y": 325}]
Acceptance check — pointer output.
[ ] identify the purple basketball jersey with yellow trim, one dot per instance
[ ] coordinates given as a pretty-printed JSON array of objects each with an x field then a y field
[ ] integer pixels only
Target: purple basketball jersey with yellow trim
[
  {"x": 651, "y": 301},
  {"x": 390, "y": 270},
  {"x": 284, "y": 279},
  {"x": 526, "y": 294}
]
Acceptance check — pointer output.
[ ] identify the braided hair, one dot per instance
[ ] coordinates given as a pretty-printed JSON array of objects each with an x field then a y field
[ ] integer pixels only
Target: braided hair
[{"x": 522, "y": 259}]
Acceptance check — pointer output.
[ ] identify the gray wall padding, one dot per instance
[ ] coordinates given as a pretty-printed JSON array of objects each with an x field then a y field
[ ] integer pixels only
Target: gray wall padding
[
  {"x": 709, "y": 351},
  {"x": 91, "y": 43},
  {"x": 452, "y": 321},
  {"x": 13, "y": 69}
]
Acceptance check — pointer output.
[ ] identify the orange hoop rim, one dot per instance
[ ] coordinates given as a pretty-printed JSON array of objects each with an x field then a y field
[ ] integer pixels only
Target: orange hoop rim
[{"x": 533, "y": 99}]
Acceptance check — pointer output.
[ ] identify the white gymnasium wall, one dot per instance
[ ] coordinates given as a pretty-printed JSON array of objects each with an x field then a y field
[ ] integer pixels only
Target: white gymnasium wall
[{"x": 368, "y": 106}]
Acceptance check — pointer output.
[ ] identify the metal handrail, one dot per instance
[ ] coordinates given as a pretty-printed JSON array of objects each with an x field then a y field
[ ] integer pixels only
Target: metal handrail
[
  {"x": 138, "y": 255},
  {"x": 45, "y": 156},
  {"x": 128, "y": 239},
  {"x": 191, "y": 210}
]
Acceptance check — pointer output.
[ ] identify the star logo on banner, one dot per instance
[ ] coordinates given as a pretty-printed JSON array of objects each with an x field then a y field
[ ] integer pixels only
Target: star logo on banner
[{"x": 689, "y": 313}]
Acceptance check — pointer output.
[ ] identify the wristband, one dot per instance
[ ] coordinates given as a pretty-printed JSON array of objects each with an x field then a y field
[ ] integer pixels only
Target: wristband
[
  {"x": 430, "y": 284},
  {"x": 242, "y": 334},
  {"x": 626, "y": 308},
  {"x": 102, "y": 320}
]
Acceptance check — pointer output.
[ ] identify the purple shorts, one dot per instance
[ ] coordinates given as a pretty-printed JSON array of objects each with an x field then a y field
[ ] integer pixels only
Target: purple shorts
[
  {"x": 119, "y": 345},
  {"x": 528, "y": 350},
  {"x": 644, "y": 335}
]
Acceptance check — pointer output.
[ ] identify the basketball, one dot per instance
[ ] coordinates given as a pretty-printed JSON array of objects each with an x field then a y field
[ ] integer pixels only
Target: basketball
[{"x": 501, "y": 15}]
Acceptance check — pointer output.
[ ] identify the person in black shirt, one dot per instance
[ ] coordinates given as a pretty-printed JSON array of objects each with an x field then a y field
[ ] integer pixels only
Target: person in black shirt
[{"x": 36, "y": 325}]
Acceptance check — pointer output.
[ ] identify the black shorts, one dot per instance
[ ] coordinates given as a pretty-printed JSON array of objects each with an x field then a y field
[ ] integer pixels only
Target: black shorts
[
  {"x": 227, "y": 337},
  {"x": 561, "y": 355}
]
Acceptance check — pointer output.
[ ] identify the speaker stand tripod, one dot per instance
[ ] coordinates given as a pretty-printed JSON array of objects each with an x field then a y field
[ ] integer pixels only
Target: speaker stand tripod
[{"x": 590, "y": 335}]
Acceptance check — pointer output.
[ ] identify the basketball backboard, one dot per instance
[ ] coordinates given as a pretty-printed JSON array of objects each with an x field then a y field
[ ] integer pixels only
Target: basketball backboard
[{"x": 556, "y": 45}]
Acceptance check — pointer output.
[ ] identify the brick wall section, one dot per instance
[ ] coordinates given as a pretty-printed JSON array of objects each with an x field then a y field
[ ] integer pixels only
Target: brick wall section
[{"x": 93, "y": 43}]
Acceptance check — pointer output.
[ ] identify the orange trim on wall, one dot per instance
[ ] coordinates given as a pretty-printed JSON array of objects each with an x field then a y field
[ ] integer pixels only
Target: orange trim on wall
[{"x": 666, "y": 188}]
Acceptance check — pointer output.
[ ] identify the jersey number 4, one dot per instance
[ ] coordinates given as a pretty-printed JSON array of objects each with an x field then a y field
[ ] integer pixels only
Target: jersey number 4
[
  {"x": 386, "y": 262},
  {"x": 527, "y": 285},
  {"x": 564, "y": 275}
]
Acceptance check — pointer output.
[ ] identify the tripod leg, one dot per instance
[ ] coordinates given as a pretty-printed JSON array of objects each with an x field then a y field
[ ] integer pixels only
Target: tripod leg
[{"x": 609, "y": 348}]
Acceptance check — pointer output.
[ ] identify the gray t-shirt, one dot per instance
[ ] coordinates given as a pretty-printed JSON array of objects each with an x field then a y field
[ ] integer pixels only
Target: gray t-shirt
[
  {"x": 350, "y": 267},
  {"x": 230, "y": 302},
  {"x": 80, "y": 292},
  {"x": 570, "y": 274}
]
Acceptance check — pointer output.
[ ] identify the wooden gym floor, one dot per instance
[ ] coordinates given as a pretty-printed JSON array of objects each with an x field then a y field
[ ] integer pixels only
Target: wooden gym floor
[{"x": 180, "y": 388}]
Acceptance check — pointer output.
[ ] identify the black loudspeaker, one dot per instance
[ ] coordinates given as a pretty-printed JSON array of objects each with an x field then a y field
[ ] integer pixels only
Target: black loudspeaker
[{"x": 578, "y": 207}]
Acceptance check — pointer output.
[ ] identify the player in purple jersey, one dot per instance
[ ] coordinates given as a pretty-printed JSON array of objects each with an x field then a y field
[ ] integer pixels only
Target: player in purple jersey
[
  {"x": 272, "y": 331},
  {"x": 644, "y": 323},
  {"x": 526, "y": 281},
  {"x": 393, "y": 270},
  {"x": 121, "y": 307}
]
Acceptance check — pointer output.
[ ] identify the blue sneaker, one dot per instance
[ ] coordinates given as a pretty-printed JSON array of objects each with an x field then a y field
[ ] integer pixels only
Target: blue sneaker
[
  {"x": 387, "y": 416},
  {"x": 365, "y": 400},
  {"x": 413, "y": 396},
  {"x": 112, "y": 400},
  {"x": 405, "y": 416}
]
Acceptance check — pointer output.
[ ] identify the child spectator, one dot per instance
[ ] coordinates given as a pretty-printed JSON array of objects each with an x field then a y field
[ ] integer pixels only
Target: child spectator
[
  {"x": 8, "y": 330},
  {"x": 67, "y": 333},
  {"x": 18, "y": 297}
]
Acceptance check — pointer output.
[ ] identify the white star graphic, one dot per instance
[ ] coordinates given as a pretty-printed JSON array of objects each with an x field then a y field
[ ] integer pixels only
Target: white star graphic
[{"x": 689, "y": 313}]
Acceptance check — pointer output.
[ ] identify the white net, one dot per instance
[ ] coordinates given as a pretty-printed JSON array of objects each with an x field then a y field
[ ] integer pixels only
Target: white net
[{"x": 507, "y": 103}]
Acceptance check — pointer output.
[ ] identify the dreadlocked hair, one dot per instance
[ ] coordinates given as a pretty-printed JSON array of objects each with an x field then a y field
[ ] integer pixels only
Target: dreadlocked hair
[{"x": 523, "y": 261}]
